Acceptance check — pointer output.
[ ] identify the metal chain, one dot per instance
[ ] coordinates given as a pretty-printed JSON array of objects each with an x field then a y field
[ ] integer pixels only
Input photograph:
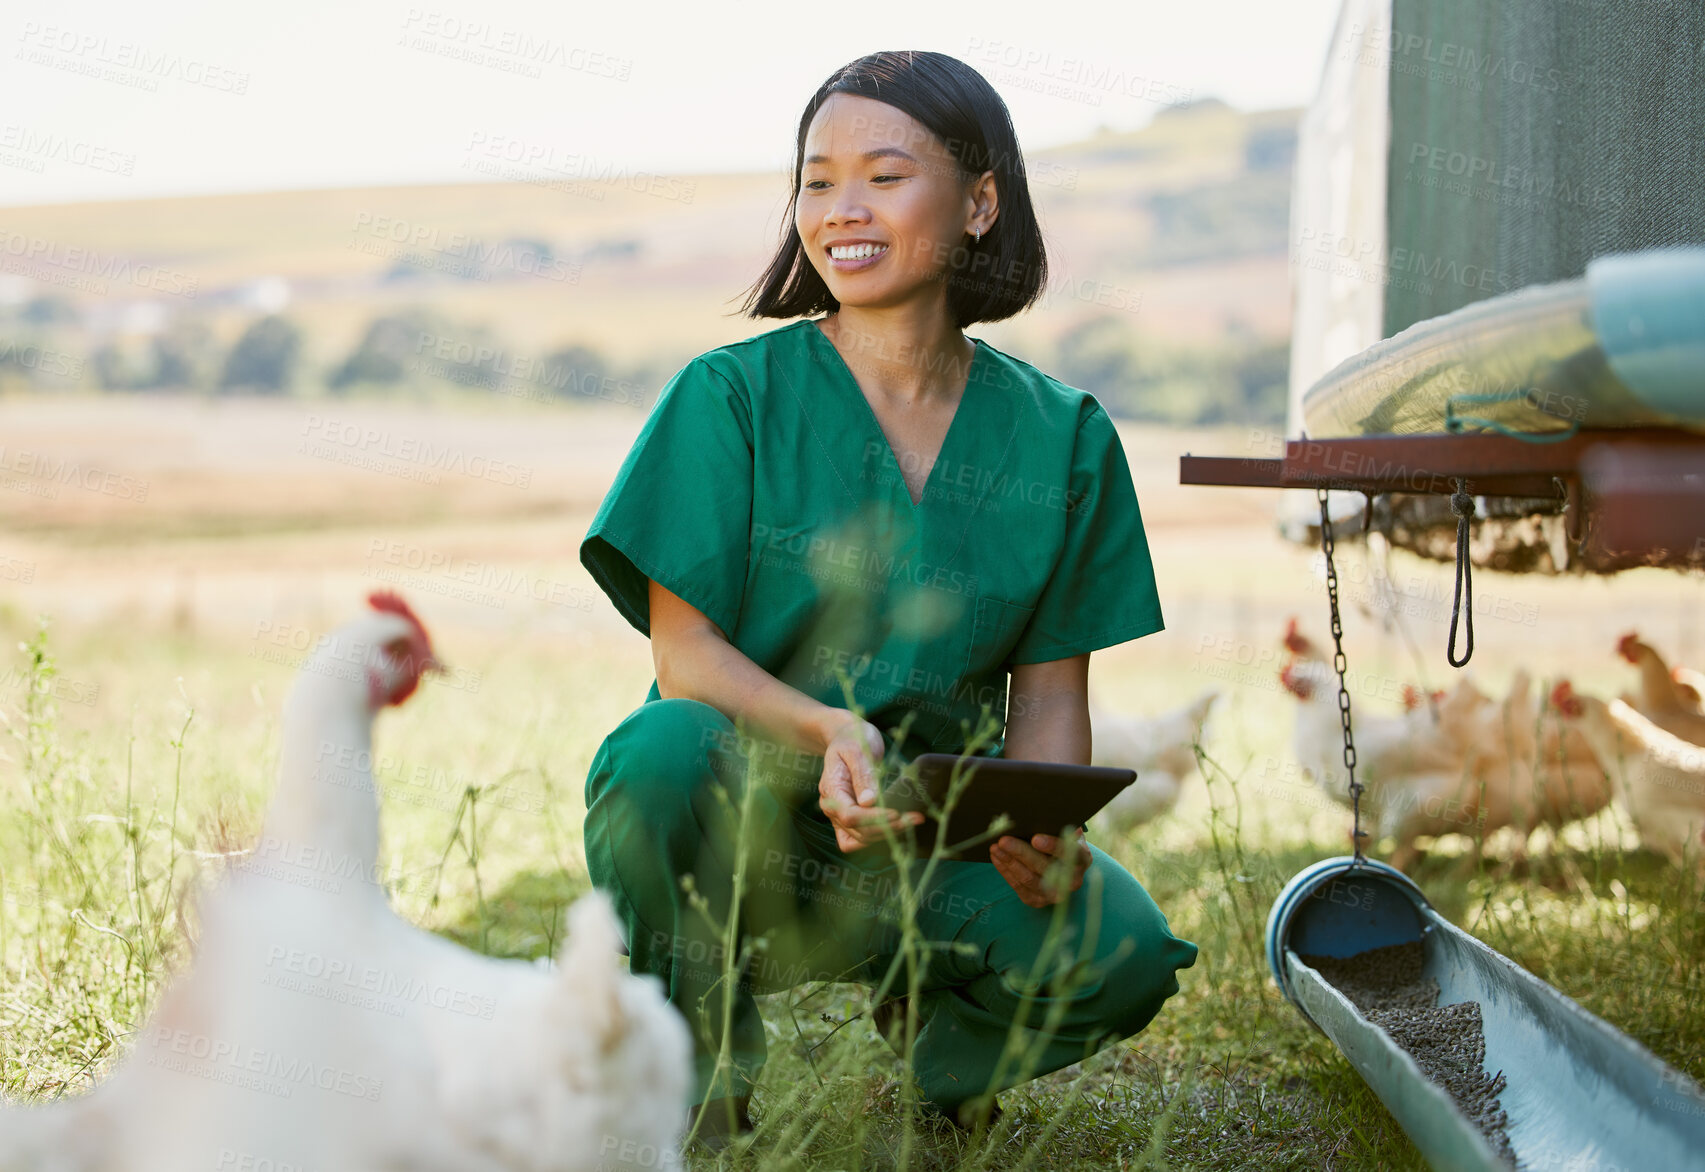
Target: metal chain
[{"x": 1341, "y": 664}]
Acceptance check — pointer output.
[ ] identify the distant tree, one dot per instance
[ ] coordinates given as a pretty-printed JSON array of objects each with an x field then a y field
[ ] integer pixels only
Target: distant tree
[
  {"x": 49, "y": 310},
  {"x": 576, "y": 372},
  {"x": 408, "y": 267},
  {"x": 613, "y": 248},
  {"x": 469, "y": 356},
  {"x": 1264, "y": 372},
  {"x": 1098, "y": 355},
  {"x": 1240, "y": 378},
  {"x": 32, "y": 360},
  {"x": 646, "y": 379},
  {"x": 418, "y": 344},
  {"x": 264, "y": 358},
  {"x": 526, "y": 254},
  {"x": 185, "y": 356},
  {"x": 1244, "y": 215},
  {"x": 115, "y": 365},
  {"x": 1271, "y": 148},
  {"x": 382, "y": 355},
  {"x": 107, "y": 367}
]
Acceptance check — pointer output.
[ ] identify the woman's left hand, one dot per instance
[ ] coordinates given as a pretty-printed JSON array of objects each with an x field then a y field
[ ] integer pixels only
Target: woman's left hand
[{"x": 1025, "y": 865}]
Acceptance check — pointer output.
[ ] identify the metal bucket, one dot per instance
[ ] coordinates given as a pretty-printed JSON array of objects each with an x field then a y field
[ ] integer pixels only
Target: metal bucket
[{"x": 1340, "y": 907}]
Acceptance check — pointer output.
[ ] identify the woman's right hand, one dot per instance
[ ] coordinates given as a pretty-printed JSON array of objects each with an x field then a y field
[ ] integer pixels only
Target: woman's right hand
[{"x": 846, "y": 792}]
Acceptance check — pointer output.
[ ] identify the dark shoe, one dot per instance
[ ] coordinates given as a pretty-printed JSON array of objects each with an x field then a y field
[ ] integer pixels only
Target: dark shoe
[
  {"x": 967, "y": 1118},
  {"x": 718, "y": 1130},
  {"x": 889, "y": 1017}
]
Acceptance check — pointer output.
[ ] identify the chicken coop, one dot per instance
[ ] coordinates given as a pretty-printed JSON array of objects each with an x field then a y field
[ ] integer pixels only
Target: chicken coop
[
  {"x": 1497, "y": 238},
  {"x": 1498, "y": 268}
]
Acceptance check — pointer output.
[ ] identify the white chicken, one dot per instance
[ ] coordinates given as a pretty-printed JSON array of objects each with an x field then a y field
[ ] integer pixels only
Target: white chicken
[
  {"x": 1530, "y": 768},
  {"x": 1162, "y": 751},
  {"x": 1689, "y": 687},
  {"x": 1413, "y": 743},
  {"x": 316, "y": 1029},
  {"x": 1669, "y": 698},
  {"x": 1411, "y": 765},
  {"x": 1660, "y": 776},
  {"x": 1461, "y": 764}
]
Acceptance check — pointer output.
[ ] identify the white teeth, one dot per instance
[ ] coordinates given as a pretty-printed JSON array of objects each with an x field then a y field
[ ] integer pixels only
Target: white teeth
[{"x": 856, "y": 251}]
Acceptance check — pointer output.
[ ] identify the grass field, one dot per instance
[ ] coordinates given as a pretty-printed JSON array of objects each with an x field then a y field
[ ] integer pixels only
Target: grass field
[{"x": 141, "y": 738}]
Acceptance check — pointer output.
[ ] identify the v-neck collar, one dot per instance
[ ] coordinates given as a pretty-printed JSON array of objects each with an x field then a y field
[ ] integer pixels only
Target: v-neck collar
[
  {"x": 991, "y": 419},
  {"x": 954, "y": 426}
]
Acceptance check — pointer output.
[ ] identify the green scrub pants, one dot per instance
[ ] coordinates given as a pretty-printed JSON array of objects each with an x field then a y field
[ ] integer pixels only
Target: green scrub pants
[{"x": 664, "y": 799}]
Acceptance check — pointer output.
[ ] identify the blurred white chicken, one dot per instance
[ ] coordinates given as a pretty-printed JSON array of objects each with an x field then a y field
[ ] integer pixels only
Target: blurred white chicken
[
  {"x": 1690, "y": 687},
  {"x": 1161, "y": 750},
  {"x": 315, "y": 1029},
  {"x": 1410, "y": 765},
  {"x": 1531, "y": 768},
  {"x": 1463, "y": 763},
  {"x": 1411, "y": 744},
  {"x": 1660, "y": 776},
  {"x": 1668, "y": 697}
]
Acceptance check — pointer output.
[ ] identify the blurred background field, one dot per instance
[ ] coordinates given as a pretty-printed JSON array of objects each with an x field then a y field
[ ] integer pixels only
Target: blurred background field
[
  {"x": 178, "y": 614},
  {"x": 1166, "y": 294}
]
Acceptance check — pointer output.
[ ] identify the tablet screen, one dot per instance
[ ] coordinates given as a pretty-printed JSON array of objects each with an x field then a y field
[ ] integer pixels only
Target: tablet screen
[{"x": 992, "y": 796}]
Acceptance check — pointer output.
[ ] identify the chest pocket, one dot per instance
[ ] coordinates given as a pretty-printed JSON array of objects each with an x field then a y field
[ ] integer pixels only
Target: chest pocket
[{"x": 995, "y": 628}]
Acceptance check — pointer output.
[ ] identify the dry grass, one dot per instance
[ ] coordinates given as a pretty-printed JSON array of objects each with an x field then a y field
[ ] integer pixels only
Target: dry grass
[{"x": 153, "y": 751}]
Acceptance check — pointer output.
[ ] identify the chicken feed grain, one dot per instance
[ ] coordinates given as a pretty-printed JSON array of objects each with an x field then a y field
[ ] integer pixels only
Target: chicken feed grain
[{"x": 1448, "y": 1042}]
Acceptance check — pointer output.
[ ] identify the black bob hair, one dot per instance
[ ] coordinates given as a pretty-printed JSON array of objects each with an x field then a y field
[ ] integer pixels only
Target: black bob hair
[{"x": 988, "y": 280}]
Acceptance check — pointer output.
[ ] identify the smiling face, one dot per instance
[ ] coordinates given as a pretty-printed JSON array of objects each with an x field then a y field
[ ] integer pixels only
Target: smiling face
[{"x": 873, "y": 174}]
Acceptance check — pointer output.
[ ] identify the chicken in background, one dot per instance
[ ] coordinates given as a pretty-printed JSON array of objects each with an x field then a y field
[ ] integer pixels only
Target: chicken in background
[
  {"x": 1411, "y": 764},
  {"x": 1454, "y": 762},
  {"x": 1690, "y": 687},
  {"x": 1416, "y": 741},
  {"x": 1660, "y": 776},
  {"x": 316, "y": 1029},
  {"x": 1162, "y": 751},
  {"x": 1668, "y": 698},
  {"x": 1532, "y": 768}
]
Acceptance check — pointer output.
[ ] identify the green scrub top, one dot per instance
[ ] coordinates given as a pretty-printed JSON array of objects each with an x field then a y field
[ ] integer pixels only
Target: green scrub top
[{"x": 762, "y": 490}]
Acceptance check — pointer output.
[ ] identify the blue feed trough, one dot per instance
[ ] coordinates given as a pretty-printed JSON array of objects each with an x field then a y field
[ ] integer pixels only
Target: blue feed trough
[{"x": 1578, "y": 1093}]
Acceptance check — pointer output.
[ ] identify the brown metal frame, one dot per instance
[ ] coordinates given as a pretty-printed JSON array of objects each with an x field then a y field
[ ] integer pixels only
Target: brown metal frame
[{"x": 1635, "y": 496}]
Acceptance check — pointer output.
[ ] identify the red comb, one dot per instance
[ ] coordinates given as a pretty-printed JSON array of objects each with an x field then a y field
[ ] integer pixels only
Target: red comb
[
  {"x": 391, "y": 601},
  {"x": 1294, "y": 642},
  {"x": 1299, "y": 686},
  {"x": 1564, "y": 700},
  {"x": 1626, "y": 647},
  {"x": 420, "y": 656}
]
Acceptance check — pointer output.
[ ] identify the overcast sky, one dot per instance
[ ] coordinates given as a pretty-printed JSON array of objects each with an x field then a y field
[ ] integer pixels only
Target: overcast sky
[{"x": 115, "y": 100}]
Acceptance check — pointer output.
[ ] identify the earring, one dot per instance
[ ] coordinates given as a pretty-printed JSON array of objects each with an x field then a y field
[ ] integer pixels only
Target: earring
[{"x": 979, "y": 237}]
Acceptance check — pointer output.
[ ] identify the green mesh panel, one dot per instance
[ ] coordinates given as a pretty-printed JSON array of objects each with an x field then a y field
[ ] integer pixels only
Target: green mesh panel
[{"x": 1529, "y": 136}]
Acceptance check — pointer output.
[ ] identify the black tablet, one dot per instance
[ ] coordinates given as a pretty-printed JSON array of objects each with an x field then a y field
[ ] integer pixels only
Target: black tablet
[{"x": 1039, "y": 797}]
